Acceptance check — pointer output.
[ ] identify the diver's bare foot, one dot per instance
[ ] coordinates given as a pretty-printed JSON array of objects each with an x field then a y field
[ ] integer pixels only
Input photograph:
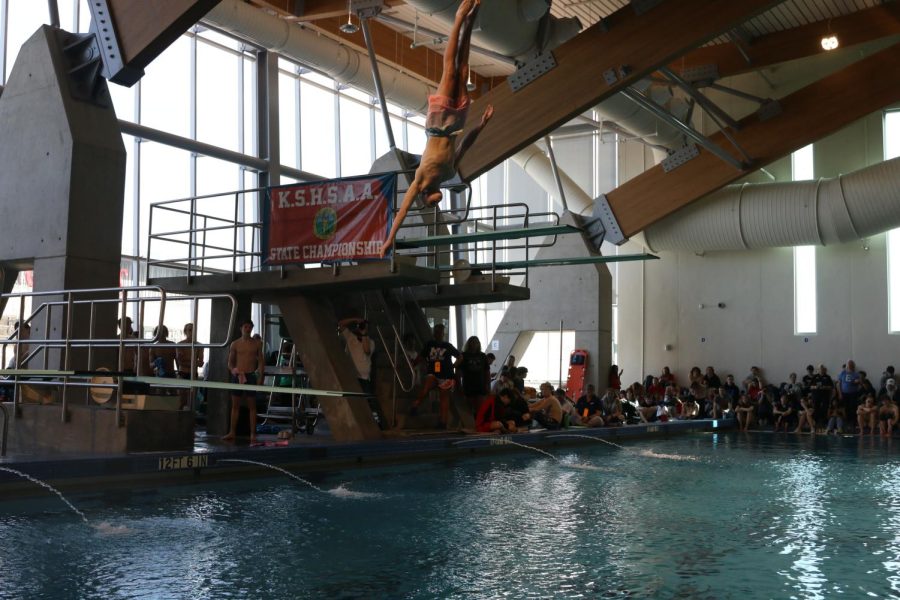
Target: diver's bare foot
[
  {"x": 383, "y": 251},
  {"x": 466, "y": 6},
  {"x": 228, "y": 438},
  {"x": 252, "y": 439}
]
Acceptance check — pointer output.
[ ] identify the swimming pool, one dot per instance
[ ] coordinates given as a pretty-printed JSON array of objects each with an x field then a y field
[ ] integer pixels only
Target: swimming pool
[{"x": 755, "y": 516}]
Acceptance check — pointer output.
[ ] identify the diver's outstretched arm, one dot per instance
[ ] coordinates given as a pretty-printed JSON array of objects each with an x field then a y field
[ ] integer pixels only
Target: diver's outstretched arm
[{"x": 408, "y": 198}]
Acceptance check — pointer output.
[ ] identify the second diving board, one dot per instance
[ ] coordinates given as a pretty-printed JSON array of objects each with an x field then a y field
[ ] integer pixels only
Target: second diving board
[
  {"x": 487, "y": 236},
  {"x": 554, "y": 262}
]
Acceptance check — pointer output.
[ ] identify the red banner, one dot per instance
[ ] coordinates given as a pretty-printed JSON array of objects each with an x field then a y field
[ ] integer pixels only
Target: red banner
[{"x": 338, "y": 219}]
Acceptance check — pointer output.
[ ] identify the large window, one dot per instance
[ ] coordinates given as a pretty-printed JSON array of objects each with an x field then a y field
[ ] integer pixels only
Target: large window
[
  {"x": 317, "y": 126},
  {"x": 219, "y": 68},
  {"x": 356, "y": 150},
  {"x": 892, "y": 150},
  {"x": 166, "y": 90},
  {"x": 802, "y": 164},
  {"x": 804, "y": 290},
  {"x": 805, "y": 306},
  {"x": 891, "y": 134},
  {"x": 547, "y": 357}
]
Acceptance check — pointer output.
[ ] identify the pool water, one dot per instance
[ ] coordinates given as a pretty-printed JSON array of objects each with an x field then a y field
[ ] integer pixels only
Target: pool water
[{"x": 755, "y": 516}]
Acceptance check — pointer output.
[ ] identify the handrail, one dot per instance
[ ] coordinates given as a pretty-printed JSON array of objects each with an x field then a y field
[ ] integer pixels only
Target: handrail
[
  {"x": 201, "y": 242},
  {"x": 68, "y": 341},
  {"x": 412, "y": 368},
  {"x": 398, "y": 340},
  {"x": 199, "y": 224},
  {"x": 486, "y": 219},
  {"x": 4, "y": 431},
  {"x": 269, "y": 318}
]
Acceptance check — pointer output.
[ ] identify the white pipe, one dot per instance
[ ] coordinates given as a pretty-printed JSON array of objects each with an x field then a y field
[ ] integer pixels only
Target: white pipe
[
  {"x": 509, "y": 27},
  {"x": 537, "y": 165},
  {"x": 349, "y": 66},
  {"x": 768, "y": 215},
  {"x": 336, "y": 60},
  {"x": 640, "y": 122}
]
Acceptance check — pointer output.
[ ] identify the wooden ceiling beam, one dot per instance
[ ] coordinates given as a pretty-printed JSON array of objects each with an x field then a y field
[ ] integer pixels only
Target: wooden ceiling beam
[
  {"x": 640, "y": 43},
  {"x": 807, "y": 115},
  {"x": 144, "y": 29},
  {"x": 394, "y": 47},
  {"x": 856, "y": 28},
  {"x": 390, "y": 45}
]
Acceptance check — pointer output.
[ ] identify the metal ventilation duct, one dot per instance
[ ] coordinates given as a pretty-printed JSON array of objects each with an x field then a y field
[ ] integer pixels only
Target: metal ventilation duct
[
  {"x": 767, "y": 215},
  {"x": 509, "y": 27},
  {"x": 324, "y": 54},
  {"x": 536, "y": 165}
]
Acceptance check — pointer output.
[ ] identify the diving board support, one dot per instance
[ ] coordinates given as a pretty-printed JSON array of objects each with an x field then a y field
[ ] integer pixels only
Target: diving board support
[
  {"x": 364, "y": 16},
  {"x": 603, "y": 224},
  {"x": 313, "y": 319}
]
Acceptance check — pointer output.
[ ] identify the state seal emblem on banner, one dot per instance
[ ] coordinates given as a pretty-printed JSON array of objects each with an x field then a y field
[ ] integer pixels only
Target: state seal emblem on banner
[{"x": 325, "y": 223}]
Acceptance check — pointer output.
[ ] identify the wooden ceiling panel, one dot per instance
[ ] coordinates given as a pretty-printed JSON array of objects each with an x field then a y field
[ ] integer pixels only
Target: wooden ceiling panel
[
  {"x": 807, "y": 116},
  {"x": 639, "y": 43},
  {"x": 856, "y": 28}
]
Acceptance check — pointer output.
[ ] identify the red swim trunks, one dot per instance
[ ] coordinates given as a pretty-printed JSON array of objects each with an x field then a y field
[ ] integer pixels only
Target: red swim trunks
[{"x": 445, "y": 117}]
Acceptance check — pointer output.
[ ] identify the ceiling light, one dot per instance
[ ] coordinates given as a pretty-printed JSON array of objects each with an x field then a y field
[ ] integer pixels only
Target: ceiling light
[
  {"x": 349, "y": 27},
  {"x": 830, "y": 42}
]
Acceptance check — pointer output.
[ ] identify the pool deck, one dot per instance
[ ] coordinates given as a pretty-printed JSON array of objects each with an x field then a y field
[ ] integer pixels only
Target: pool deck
[{"x": 303, "y": 453}]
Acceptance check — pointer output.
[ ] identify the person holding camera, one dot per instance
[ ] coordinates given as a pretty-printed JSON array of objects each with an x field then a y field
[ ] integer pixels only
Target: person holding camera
[{"x": 355, "y": 331}]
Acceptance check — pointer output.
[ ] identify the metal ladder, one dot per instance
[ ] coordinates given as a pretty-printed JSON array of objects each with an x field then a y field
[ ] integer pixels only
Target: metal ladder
[{"x": 303, "y": 412}]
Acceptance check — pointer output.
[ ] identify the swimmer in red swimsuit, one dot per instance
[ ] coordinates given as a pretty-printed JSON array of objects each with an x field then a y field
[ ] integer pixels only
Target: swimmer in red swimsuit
[{"x": 446, "y": 118}]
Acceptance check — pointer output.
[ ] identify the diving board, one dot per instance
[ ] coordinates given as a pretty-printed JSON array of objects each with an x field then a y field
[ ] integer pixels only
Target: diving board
[
  {"x": 218, "y": 385},
  {"x": 487, "y": 236},
  {"x": 171, "y": 382},
  {"x": 554, "y": 262}
]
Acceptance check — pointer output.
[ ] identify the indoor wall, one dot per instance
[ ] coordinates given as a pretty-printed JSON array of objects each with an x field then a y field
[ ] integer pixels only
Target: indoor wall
[{"x": 669, "y": 312}]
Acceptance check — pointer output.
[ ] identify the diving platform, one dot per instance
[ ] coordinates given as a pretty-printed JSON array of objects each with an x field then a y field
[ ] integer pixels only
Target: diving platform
[
  {"x": 469, "y": 293},
  {"x": 324, "y": 280}
]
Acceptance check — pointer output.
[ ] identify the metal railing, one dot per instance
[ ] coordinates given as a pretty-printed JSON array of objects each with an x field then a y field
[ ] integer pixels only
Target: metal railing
[
  {"x": 491, "y": 218},
  {"x": 214, "y": 237},
  {"x": 4, "y": 431},
  {"x": 299, "y": 403},
  {"x": 39, "y": 367},
  {"x": 393, "y": 353},
  {"x": 208, "y": 235}
]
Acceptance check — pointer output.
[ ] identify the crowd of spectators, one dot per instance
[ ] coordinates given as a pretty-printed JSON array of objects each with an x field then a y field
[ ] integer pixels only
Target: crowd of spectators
[{"x": 814, "y": 403}]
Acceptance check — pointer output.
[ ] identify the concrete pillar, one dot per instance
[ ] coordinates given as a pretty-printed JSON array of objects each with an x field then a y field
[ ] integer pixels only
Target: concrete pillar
[
  {"x": 62, "y": 177},
  {"x": 578, "y": 295},
  {"x": 312, "y": 323}
]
